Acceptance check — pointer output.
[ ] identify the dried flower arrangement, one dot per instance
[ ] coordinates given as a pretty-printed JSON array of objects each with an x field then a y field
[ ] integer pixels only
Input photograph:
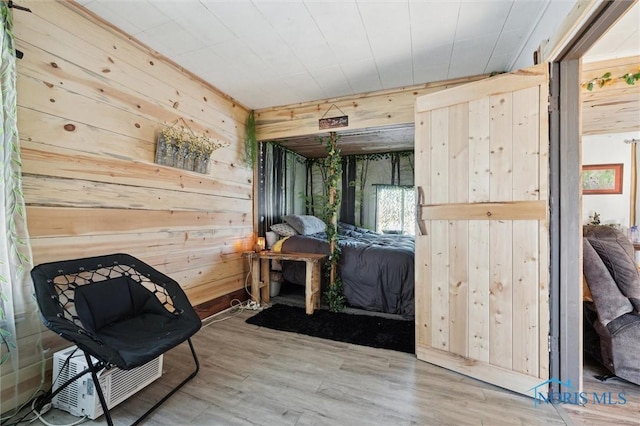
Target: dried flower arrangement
[{"x": 179, "y": 146}]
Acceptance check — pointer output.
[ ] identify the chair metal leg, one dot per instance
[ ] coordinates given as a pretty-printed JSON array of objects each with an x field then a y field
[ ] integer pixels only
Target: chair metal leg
[
  {"x": 103, "y": 403},
  {"x": 174, "y": 390},
  {"x": 96, "y": 385}
]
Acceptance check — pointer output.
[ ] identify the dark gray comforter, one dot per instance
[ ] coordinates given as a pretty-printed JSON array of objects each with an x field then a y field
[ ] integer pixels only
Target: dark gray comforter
[{"x": 377, "y": 271}]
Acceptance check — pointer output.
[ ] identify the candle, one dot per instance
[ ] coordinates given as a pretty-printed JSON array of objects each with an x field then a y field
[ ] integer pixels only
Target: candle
[{"x": 260, "y": 244}]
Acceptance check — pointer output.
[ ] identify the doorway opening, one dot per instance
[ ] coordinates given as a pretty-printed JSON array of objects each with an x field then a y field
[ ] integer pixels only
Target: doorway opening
[{"x": 566, "y": 170}]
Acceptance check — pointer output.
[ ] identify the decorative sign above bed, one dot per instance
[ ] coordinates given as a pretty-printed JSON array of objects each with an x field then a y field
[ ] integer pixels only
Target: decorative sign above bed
[{"x": 333, "y": 122}]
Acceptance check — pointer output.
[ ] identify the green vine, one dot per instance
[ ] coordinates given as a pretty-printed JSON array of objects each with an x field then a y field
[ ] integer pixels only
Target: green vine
[
  {"x": 250, "y": 141},
  {"x": 368, "y": 157},
  {"x": 333, "y": 296},
  {"x": 607, "y": 79},
  {"x": 333, "y": 164}
]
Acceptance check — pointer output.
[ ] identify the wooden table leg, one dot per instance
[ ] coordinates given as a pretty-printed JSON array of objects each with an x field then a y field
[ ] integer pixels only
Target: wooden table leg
[
  {"x": 255, "y": 278},
  {"x": 266, "y": 281},
  {"x": 312, "y": 286}
]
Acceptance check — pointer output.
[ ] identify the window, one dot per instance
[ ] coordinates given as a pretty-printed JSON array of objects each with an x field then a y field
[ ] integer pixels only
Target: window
[{"x": 395, "y": 209}]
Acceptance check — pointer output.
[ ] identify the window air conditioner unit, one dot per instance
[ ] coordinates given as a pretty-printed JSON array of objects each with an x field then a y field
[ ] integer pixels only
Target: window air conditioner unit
[{"x": 80, "y": 398}]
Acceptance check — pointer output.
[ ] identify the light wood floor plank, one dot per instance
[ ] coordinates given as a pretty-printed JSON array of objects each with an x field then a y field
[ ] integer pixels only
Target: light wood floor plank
[{"x": 255, "y": 376}]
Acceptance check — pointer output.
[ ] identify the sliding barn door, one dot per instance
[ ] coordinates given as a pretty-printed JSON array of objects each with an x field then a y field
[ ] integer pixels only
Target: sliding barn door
[{"x": 482, "y": 261}]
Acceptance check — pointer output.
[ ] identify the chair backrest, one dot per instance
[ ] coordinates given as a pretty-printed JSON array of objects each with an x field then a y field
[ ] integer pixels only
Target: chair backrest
[{"x": 66, "y": 290}]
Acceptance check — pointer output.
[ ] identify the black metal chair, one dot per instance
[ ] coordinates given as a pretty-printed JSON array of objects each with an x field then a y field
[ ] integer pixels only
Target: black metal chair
[{"x": 118, "y": 310}]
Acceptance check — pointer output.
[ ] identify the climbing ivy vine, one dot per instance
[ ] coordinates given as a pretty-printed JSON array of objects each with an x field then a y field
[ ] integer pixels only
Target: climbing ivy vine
[{"x": 333, "y": 163}]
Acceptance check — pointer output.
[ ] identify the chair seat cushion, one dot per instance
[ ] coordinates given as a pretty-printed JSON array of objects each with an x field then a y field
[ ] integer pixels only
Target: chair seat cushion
[
  {"x": 105, "y": 302},
  {"x": 139, "y": 339}
]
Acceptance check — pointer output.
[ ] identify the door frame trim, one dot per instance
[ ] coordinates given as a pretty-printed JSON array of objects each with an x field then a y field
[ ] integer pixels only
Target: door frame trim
[{"x": 566, "y": 195}]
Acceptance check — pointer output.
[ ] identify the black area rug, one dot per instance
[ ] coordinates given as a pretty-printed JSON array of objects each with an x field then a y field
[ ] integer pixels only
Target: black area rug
[{"x": 366, "y": 330}]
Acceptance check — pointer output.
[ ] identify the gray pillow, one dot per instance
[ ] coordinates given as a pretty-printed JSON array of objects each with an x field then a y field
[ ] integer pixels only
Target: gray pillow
[
  {"x": 305, "y": 224},
  {"x": 283, "y": 229}
]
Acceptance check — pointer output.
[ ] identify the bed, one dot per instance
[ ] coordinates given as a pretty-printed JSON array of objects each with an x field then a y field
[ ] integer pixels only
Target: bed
[{"x": 377, "y": 270}]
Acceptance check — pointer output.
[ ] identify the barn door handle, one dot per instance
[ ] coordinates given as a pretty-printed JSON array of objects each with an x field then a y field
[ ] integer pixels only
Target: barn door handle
[{"x": 422, "y": 225}]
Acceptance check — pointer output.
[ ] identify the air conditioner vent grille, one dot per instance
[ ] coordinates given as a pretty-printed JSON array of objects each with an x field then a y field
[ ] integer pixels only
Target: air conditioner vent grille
[{"x": 80, "y": 398}]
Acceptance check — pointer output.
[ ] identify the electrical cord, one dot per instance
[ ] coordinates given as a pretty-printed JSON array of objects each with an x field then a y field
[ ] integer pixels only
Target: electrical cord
[
  {"x": 237, "y": 306},
  {"x": 45, "y": 399},
  {"x": 252, "y": 305},
  {"x": 250, "y": 273},
  {"x": 38, "y": 416},
  {"x": 34, "y": 397}
]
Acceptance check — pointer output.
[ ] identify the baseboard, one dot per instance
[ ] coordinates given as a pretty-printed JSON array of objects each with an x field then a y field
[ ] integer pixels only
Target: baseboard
[{"x": 221, "y": 303}]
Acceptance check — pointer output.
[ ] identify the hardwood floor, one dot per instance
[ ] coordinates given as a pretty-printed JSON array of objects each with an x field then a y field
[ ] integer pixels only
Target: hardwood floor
[{"x": 255, "y": 376}]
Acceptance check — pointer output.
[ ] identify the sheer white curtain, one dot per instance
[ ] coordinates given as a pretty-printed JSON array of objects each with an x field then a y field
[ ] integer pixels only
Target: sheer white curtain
[
  {"x": 21, "y": 355},
  {"x": 395, "y": 209}
]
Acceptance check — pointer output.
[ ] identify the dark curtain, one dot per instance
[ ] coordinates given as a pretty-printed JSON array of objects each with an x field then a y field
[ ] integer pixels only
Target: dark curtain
[
  {"x": 277, "y": 184},
  {"x": 273, "y": 200},
  {"x": 348, "y": 203},
  {"x": 356, "y": 191},
  {"x": 316, "y": 190},
  {"x": 308, "y": 190},
  {"x": 395, "y": 168}
]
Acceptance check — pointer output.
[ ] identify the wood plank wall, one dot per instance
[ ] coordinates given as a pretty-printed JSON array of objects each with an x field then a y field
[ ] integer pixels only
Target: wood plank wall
[
  {"x": 385, "y": 108},
  {"x": 614, "y": 108},
  {"x": 90, "y": 103}
]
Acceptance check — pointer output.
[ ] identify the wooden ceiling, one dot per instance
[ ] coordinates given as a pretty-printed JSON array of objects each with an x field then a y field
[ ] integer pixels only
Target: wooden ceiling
[{"x": 354, "y": 142}]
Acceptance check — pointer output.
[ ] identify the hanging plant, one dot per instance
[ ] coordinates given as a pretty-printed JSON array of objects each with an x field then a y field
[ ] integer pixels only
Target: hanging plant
[
  {"x": 607, "y": 79},
  {"x": 250, "y": 141}
]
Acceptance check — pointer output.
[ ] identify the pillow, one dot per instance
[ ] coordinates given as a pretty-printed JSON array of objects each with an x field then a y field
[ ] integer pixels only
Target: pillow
[
  {"x": 102, "y": 303},
  {"x": 278, "y": 245},
  {"x": 283, "y": 229},
  {"x": 346, "y": 226},
  {"x": 271, "y": 237},
  {"x": 305, "y": 224}
]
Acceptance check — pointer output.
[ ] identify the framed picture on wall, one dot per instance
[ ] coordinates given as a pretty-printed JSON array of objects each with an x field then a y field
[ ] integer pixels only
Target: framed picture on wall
[{"x": 602, "y": 179}]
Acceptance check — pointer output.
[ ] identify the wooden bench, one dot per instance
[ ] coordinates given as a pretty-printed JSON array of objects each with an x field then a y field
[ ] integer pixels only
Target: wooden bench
[{"x": 260, "y": 275}]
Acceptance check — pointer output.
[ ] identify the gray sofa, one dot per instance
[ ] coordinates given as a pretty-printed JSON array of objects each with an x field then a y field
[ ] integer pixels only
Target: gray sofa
[{"x": 612, "y": 319}]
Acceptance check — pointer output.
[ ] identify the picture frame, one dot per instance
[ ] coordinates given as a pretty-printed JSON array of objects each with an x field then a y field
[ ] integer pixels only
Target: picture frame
[{"x": 602, "y": 179}]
